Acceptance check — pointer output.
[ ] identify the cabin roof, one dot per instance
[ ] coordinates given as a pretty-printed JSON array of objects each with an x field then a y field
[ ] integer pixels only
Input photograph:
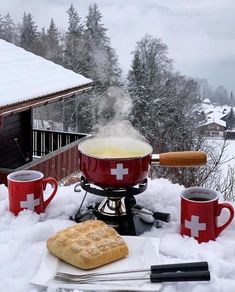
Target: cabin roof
[
  {"x": 28, "y": 80},
  {"x": 214, "y": 121}
]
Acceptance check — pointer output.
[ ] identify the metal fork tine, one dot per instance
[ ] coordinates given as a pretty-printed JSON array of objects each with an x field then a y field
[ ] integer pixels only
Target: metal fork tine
[
  {"x": 89, "y": 275},
  {"x": 154, "y": 269},
  {"x": 99, "y": 279}
]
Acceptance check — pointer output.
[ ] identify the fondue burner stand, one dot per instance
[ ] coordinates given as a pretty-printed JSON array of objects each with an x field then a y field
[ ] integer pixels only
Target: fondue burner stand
[{"x": 119, "y": 209}]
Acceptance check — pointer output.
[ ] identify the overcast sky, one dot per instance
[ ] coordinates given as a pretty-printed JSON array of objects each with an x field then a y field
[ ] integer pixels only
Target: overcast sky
[{"x": 200, "y": 34}]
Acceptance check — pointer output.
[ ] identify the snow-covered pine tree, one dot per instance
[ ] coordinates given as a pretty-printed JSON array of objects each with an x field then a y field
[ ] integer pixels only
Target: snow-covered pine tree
[
  {"x": 42, "y": 42},
  {"x": 29, "y": 38},
  {"x": 73, "y": 59},
  {"x": 53, "y": 46},
  {"x": 95, "y": 40},
  {"x": 101, "y": 61},
  {"x": 177, "y": 114},
  {"x": 230, "y": 119},
  {"x": 232, "y": 99},
  {"x": 49, "y": 47},
  {"x": 113, "y": 71},
  {"x": 146, "y": 84},
  {"x": 2, "y": 32},
  {"x": 7, "y": 29},
  {"x": 74, "y": 45},
  {"x": 101, "y": 65}
]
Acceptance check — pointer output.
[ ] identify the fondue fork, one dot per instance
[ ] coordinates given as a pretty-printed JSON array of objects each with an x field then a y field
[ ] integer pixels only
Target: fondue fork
[
  {"x": 193, "y": 270},
  {"x": 154, "y": 278}
]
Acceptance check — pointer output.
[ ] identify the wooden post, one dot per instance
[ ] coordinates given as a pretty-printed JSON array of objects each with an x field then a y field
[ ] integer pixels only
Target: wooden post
[{"x": 1, "y": 122}]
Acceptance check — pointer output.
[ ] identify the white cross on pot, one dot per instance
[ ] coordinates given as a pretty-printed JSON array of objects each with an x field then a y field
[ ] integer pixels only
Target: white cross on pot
[
  {"x": 30, "y": 203},
  {"x": 119, "y": 171},
  {"x": 195, "y": 226}
]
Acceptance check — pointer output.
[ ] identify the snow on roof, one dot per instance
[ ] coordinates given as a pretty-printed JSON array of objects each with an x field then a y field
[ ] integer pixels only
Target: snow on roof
[
  {"x": 216, "y": 112},
  {"x": 216, "y": 115},
  {"x": 214, "y": 121},
  {"x": 207, "y": 101},
  {"x": 25, "y": 76}
]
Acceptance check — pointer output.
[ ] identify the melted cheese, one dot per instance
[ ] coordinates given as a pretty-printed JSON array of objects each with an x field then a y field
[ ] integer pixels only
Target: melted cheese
[{"x": 117, "y": 153}]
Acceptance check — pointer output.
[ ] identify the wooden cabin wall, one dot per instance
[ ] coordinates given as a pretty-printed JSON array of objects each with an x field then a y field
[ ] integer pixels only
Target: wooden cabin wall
[{"x": 16, "y": 140}]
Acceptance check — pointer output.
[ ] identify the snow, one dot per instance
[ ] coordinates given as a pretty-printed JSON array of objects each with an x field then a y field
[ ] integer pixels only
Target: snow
[
  {"x": 214, "y": 121},
  {"x": 215, "y": 112},
  {"x": 24, "y": 76},
  {"x": 206, "y": 101},
  {"x": 22, "y": 239},
  {"x": 229, "y": 154}
]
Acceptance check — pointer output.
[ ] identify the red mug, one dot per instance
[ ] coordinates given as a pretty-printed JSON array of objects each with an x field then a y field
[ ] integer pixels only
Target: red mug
[
  {"x": 25, "y": 188},
  {"x": 200, "y": 210}
]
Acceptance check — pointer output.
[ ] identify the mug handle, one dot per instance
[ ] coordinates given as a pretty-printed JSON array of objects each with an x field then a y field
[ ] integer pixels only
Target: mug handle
[
  {"x": 231, "y": 210},
  {"x": 54, "y": 182}
]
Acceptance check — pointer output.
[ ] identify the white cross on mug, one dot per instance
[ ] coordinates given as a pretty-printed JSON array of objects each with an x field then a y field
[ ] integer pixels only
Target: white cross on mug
[
  {"x": 30, "y": 203},
  {"x": 195, "y": 226}
]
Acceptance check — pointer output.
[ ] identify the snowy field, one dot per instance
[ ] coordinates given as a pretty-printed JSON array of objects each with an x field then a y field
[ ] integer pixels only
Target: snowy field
[
  {"x": 22, "y": 240},
  {"x": 230, "y": 151}
]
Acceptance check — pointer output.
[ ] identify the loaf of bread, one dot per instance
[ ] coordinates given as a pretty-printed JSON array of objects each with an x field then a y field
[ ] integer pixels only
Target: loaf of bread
[{"x": 88, "y": 244}]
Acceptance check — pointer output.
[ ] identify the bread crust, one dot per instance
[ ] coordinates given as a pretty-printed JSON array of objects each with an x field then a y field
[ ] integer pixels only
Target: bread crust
[{"x": 88, "y": 245}]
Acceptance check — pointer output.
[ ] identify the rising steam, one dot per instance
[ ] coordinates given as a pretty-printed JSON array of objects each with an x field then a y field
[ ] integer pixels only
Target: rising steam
[{"x": 119, "y": 103}]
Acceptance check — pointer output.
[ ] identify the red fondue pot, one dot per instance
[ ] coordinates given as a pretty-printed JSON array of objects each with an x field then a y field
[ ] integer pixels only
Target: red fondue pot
[{"x": 121, "y": 162}]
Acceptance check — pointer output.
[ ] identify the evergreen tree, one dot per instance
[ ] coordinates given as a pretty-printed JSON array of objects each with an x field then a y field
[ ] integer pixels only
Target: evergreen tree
[
  {"x": 42, "y": 43},
  {"x": 146, "y": 81},
  {"x": 28, "y": 34},
  {"x": 230, "y": 119},
  {"x": 73, "y": 59},
  {"x": 112, "y": 71},
  {"x": 100, "y": 63},
  {"x": 232, "y": 99},
  {"x": 2, "y": 32},
  {"x": 7, "y": 29},
  {"x": 75, "y": 27},
  {"x": 177, "y": 117},
  {"x": 53, "y": 48},
  {"x": 94, "y": 27},
  {"x": 163, "y": 101},
  {"x": 101, "y": 60},
  {"x": 49, "y": 47},
  {"x": 74, "y": 44}
]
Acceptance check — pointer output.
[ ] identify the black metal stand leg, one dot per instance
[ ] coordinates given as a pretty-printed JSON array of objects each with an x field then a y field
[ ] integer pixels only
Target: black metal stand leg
[
  {"x": 128, "y": 225},
  {"x": 82, "y": 217}
]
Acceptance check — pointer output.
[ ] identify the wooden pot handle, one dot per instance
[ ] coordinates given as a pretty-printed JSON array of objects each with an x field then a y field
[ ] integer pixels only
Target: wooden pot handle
[{"x": 181, "y": 159}]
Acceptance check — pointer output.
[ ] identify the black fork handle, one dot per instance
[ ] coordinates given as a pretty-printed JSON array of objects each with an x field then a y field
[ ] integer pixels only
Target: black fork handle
[
  {"x": 182, "y": 267},
  {"x": 180, "y": 276}
]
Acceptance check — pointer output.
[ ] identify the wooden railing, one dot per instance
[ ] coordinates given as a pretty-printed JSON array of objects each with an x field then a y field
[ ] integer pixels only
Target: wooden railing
[
  {"x": 47, "y": 141},
  {"x": 57, "y": 154},
  {"x": 58, "y": 164}
]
